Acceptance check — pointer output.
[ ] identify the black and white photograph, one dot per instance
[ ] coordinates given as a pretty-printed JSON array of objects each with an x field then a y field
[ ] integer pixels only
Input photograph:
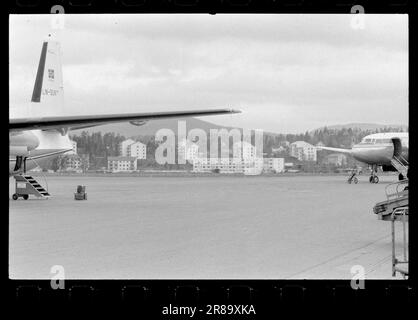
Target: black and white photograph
[{"x": 197, "y": 146}]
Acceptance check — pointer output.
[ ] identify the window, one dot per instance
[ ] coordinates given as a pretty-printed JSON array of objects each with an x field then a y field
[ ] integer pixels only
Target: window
[{"x": 366, "y": 141}]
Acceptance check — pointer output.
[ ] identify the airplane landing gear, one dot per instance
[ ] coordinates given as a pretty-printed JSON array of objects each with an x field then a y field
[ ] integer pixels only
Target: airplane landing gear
[
  {"x": 20, "y": 164},
  {"x": 374, "y": 178}
]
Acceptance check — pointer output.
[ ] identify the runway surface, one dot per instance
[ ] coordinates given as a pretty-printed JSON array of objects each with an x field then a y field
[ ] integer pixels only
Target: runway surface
[{"x": 216, "y": 227}]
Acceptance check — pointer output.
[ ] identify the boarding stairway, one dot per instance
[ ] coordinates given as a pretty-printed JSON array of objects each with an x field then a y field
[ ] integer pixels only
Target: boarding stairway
[
  {"x": 400, "y": 164},
  {"x": 26, "y": 185}
]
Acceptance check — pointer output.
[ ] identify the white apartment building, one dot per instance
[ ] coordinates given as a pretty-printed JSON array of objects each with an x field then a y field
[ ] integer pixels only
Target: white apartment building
[
  {"x": 189, "y": 150},
  {"x": 274, "y": 165},
  {"x": 123, "y": 147},
  {"x": 237, "y": 165},
  {"x": 137, "y": 150},
  {"x": 121, "y": 164},
  {"x": 303, "y": 151},
  {"x": 224, "y": 165},
  {"x": 72, "y": 163},
  {"x": 244, "y": 150}
]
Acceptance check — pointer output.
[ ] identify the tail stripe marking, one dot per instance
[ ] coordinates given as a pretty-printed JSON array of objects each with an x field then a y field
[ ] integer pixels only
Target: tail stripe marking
[{"x": 36, "y": 96}]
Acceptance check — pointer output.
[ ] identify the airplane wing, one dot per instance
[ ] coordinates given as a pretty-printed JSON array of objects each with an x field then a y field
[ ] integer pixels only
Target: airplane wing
[
  {"x": 348, "y": 151},
  {"x": 78, "y": 122}
]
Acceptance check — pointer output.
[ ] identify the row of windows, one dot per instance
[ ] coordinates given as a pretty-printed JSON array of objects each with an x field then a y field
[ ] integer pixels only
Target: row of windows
[{"x": 374, "y": 141}]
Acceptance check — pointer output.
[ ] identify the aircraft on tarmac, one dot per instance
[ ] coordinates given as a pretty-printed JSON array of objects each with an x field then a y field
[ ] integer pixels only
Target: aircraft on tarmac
[
  {"x": 38, "y": 139},
  {"x": 387, "y": 149}
]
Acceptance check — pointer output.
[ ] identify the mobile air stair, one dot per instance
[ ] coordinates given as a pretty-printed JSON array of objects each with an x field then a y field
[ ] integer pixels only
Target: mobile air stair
[
  {"x": 401, "y": 165},
  {"x": 400, "y": 265},
  {"x": 27, "y": 185}
]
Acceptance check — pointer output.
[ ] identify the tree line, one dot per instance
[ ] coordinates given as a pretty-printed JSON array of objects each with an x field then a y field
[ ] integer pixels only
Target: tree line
[{"x": 99, "y": 146}]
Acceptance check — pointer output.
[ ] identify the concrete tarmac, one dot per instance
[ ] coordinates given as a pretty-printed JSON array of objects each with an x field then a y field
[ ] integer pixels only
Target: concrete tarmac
[{"x": 215, "y": 227}]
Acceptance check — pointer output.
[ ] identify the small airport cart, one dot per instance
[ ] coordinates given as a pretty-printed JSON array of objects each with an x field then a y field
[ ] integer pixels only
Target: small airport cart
[
  {"x": 81, "y": 193},
  {"x": 398, "y": 265}
]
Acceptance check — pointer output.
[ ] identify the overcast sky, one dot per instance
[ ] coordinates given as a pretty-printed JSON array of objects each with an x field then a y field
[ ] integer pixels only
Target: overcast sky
[{"x": 287, "y": 73}]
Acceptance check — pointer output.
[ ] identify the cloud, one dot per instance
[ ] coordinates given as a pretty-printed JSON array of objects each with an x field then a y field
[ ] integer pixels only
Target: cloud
[{"x": 293, "y": 71}]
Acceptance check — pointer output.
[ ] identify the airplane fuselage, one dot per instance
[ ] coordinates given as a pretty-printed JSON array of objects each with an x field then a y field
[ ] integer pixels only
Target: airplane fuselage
[{"x": 379, "y": 149}]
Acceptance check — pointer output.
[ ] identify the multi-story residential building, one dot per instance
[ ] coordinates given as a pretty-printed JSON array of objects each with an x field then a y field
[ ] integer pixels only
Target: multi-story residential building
[
  {"x": 303, "y": 151},
  {"x": 123, "y": 147},
  {"x": 243, "y": 160},
  {"x": 238, "y": 165},
  {"x": 72, "y": 162},
  {"x": 121, "y": 164},
  {"x": 137, "y": 150},
  {"x": 274, "y": 165},
  {"x": 244, "y": 150},
  {"x": 336, "y": 159},
  {"x": 188, "y": 150}
]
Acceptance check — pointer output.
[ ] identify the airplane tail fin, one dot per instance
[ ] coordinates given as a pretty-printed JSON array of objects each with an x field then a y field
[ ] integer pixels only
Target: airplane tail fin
[{"x": 48, "y": 90}]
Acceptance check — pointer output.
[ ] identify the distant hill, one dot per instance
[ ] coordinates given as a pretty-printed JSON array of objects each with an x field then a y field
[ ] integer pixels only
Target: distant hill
[
  {"x": 364, "y": 126},
  {"x": 150, "y": 128}
]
